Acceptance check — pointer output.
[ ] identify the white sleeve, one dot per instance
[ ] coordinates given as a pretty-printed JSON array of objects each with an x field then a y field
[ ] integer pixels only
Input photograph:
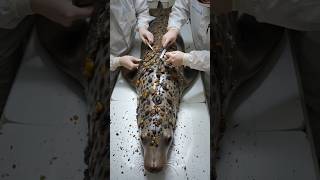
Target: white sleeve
[
  {"x": 12, "y": 12},
  {"x": 114, "y": 63},
  {"x": 179, "y": 15},
  {"x": 199, "y": 60},
  {"x": 142, "y": 13},
  {"x": 293, "y": 14}
]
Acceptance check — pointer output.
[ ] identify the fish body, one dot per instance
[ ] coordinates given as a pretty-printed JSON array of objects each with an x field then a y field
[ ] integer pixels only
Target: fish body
[{"x": 160, "y": 87}]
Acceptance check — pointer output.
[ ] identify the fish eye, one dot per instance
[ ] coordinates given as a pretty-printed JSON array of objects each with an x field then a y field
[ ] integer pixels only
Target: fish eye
[
  {"x": 168, "y": 139},
  {"x": 143, "y": 139}
]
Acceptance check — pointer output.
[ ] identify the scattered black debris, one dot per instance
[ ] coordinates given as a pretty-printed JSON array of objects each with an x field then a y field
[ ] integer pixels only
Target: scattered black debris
[
  {"x": 52, "y": 160},
  {"x": 14, "y": 166},
  {"x": 121, "y": 172},
  {"x": 236, "y": 125},
  {"x": 11, "y": 147},
  {"x": 5, "y": 175},
  {"x": 117, "y": 134},
  {"x": 74, "y": 119}
]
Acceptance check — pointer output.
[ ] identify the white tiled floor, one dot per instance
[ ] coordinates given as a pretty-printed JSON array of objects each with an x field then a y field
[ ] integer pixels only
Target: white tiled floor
[
  {"x": 276, "y": 103},
  {"x": 48, "y": 143},
  {"x": 191, "y": 143},
  {"x": 278, "y": 155},
  {"x": 264, "y": 139}
]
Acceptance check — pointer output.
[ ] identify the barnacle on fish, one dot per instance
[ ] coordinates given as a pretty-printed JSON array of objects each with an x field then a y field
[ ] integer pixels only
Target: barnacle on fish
[
  {"x": 88, "y": 67},
  {"x": 99, "y": 107}
]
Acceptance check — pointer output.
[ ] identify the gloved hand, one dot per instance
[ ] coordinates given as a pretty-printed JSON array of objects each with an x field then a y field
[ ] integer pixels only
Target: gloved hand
[
  {"x": 175, "y": 58},
  {"x": 60, "y": 11},
  {"x": 170, "y": 37},
  {"x": 129, "y": 62},
  {"x": 145, "y": 35}
]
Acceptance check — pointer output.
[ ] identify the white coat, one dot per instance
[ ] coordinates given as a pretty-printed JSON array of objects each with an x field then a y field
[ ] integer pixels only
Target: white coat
[
  {"x": 125, "y": 18},
  {"x": 199, "y": 15}
]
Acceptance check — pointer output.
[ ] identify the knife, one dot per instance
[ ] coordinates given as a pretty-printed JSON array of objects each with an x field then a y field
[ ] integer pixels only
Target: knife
[
  {"x": 149, "y": 45},
  {"x": 162, "y": 53}
]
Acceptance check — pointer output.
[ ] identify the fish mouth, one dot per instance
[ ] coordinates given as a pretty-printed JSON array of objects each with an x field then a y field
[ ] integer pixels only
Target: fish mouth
[
  {"x": 154, "y": 162},
  {"x": 153, "y": 166}
]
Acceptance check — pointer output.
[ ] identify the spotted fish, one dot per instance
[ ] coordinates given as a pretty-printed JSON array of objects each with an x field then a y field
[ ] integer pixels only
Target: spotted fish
[{"x": 160, "y": 87}]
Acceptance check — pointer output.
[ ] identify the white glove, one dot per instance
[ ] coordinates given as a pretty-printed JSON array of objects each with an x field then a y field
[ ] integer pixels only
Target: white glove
[
  {"x": 175, "y": 58},
  {"x": 60, "y": 11},
  {"x": 145, "y": 35},
  {"x": 129, "y": 62},
  {"x": 199, "y": 60},
  {"x": 170, "y": 37}
]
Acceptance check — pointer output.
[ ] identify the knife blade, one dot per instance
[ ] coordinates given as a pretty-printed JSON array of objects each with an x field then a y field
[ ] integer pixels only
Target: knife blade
[
  {"x": 162, "y": 53},
  {"x": 149, "y": 45}
]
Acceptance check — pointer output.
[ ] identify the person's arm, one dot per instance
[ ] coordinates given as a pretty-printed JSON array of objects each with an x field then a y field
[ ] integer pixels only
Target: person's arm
[
  {"x": 143, "y": 17},
  {"x": 179, "y": 15},
  {"x": 293, "y": 14},
  {"x": 129, "y": 62},
  {"x": 142, "y": 13},
  {"x": 114, "y": 63},
  {"x": 199, "y": 60},
  {"x": 63, "y": 12},
  {"x": 12, "y": 12}
]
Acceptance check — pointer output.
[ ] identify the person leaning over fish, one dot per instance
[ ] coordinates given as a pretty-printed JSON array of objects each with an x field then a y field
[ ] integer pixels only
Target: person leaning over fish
[
  {"x": 125, "y": 18},
  {"x": 16, "y": 23},
  {"x": 198, "y": 11}
]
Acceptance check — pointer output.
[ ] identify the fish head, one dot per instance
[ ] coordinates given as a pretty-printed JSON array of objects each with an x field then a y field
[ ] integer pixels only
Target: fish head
[{"x": 156, "y": 142}]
